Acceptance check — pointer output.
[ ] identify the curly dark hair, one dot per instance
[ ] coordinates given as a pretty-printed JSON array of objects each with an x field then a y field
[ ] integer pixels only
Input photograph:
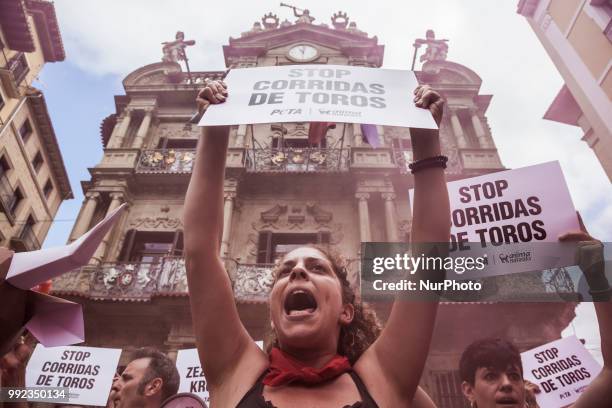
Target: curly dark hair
[{"x": 357, "y": 336}]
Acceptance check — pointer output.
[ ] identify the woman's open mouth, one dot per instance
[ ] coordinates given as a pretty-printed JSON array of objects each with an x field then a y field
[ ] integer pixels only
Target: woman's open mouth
[
  {"x": 300, "y": 302},
  {"x": 506, "y": 401}
]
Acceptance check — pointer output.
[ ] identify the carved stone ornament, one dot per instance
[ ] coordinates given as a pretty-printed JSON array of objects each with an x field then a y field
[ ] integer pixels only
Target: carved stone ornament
[
  {"x": 169, "y": 223},
  {"x": 270, "y": 21},
  {"x": 273, "y": 213},
  {"x": 340, "y": 20},
  {"x": 304, "y": 218}
]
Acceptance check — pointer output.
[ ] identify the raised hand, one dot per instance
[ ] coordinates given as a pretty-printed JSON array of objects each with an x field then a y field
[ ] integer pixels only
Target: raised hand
[
  {"x": 213, "y": 92},
  {"x": 426, "y": 97}
]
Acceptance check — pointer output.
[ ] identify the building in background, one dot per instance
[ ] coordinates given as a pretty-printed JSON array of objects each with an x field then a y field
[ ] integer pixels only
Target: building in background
[
  {"x": 577, "y": 35},
  {"x": 33, "y": 179},
  {"x": 280, "y": 192}
]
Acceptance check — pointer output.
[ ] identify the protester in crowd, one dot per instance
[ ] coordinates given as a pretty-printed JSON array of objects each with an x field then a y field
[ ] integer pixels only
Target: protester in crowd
[
  {"x": 149, "y": 378},
  {"x": 13, "y": 367},
  {"x": 328, "y": 353},
  {"x": 491, "y": 369},
  {"x": 110, "y": 403}
]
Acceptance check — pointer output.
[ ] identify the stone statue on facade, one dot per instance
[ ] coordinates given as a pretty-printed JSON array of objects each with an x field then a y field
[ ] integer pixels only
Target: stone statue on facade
[
  {"x": 174, "y": 51},
  {"x": 303, "y": 17},
  {"x": 436, "y": 49}
]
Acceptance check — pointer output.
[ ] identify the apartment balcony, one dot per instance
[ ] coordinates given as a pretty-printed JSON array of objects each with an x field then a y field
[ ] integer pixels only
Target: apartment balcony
[
  {"x": 297, "y": 160},
  {"x": 14, "y": 73},
  {"x": 25, "y": 241}
]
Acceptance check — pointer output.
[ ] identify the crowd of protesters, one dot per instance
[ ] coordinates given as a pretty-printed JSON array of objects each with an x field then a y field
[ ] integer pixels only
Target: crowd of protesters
[{"x": 326, "y": 348}]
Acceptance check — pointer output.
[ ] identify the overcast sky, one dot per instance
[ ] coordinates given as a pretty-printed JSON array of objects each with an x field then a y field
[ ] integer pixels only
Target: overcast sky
[{"x": 107, "y": 39}]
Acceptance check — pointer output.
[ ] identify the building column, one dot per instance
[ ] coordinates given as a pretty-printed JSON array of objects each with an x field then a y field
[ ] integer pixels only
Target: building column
[
  {"x": 116, "y": 200},
  {"x": 364, "y": 217},
  {"x": 478, "y": 128},
  {"x": 228, "y": 212},
  {"x": 143, "y": 129},
  {"x": 123, "y": 129},
  {"x": 457, "y": 130},
  {"x": 85, "y": 216},
  {"x": 390, "y": 219}
]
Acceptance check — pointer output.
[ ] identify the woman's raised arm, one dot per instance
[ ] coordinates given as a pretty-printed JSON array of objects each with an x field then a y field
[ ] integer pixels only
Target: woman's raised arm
[
  {"x": 592, "y": 262},
  {"x": 401, "y": 350},
  {"x": 223, "y": 343}
]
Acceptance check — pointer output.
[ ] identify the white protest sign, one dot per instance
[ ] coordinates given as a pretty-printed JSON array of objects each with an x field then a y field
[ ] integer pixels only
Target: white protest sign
[
  {"x": 524, "y": 207},
  {"x": 562, "y": 369},
  {"x": 192, "y": 375},
  {"x": 320, "y": 93},
  {"x": 87, "y": 372}
]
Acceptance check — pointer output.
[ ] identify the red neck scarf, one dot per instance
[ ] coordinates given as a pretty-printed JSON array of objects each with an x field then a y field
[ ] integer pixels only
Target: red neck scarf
[{"x": 286, "y": 370}]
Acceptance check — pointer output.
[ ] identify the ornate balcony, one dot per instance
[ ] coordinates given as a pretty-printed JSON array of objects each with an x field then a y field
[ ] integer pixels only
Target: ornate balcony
[
  {"x": 177, "y": 161},
  {"x": 141, "y": 281},
  {"x": 297, "y": 160}
]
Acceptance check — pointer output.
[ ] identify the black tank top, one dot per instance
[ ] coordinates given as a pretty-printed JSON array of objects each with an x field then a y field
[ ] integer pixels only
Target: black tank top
[{"x": 254, "y": 397}]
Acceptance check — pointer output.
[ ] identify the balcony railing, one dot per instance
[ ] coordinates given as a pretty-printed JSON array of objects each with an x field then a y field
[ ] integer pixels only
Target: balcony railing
[
  {"x": 166, "y": 161},
  {"x": 141, "y": 281},
  {"x": 18, "y": 65},
  {"x": 299, "y": 160}
]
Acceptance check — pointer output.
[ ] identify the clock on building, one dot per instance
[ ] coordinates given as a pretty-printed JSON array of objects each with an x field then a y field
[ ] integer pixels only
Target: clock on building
[{"x": 303, "y": 53}]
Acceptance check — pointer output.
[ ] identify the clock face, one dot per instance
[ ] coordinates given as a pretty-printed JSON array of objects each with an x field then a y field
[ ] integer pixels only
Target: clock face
[{"x": 303, "y": 52}]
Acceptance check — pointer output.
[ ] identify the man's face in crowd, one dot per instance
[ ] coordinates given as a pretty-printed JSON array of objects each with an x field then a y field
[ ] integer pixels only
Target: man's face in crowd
[
  {"x": 126, "y": 388},
  {"x": 496, "y": 389}
]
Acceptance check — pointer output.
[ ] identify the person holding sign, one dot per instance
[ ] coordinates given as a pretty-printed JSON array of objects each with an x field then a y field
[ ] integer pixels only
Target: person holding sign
[
  {"x": 492, "y": 371},
  {"x": 328, "y": 353}
]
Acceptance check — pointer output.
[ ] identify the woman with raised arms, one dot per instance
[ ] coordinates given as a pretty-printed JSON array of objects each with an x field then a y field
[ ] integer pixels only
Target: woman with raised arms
[{"x": 328, "y": 350}]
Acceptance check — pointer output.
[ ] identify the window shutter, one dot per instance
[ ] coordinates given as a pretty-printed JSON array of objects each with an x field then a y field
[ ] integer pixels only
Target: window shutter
[{"x": 264, "y": 247}]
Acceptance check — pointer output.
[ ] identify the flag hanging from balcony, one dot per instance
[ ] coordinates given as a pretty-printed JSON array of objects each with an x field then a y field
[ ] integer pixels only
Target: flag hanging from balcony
[
  {"x": 318, "y": 130},
  {"x": 370, "y": 134}
]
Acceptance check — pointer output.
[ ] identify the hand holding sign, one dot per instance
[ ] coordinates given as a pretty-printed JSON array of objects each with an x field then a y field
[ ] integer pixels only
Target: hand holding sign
[
  {"x": 315, "y": 93},
  {"x": 213, "y": 92},
  {"x": 426, "y": 97}
]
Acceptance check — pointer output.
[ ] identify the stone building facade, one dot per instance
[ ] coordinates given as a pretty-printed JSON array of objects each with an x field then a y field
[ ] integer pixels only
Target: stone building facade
[
  {"x": 33, "y": 179},
  {"x": 279, "y": 192},
  {"x": 577, "y": 35}
]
